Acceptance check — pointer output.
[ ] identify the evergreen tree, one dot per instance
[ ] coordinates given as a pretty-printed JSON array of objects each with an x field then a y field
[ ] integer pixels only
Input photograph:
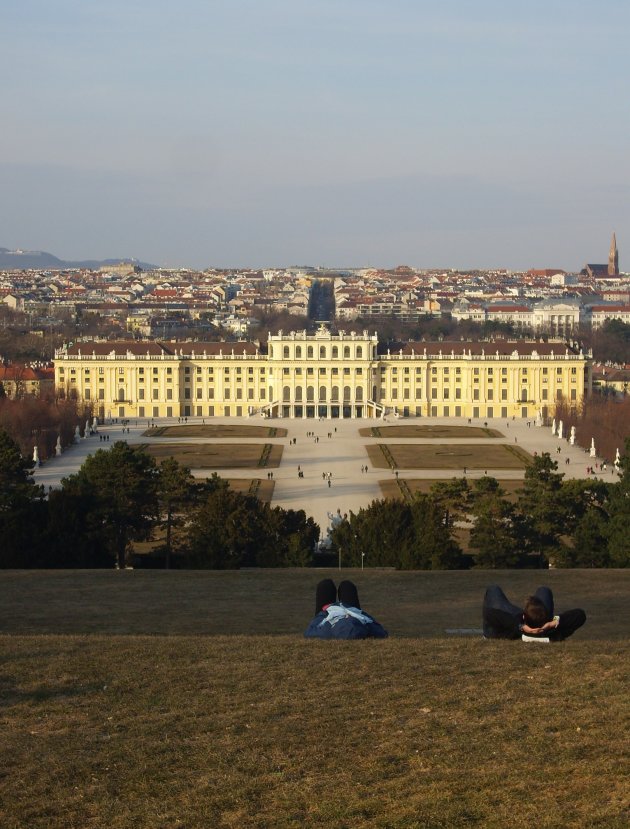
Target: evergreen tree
[
  {"x": 22, "y": 510},
  {"x": 393, "y": 533},
  {"x": 542, "y": 509},
  {"x": 121, "y": 485},
  {"x": 434, "y": 547},
  {"x": 176, "y": 494},
  {"x": 590, "y": 541},
  {"x": 495, "y": 535},
  {"x": 72, "y": 537},
  {"x": 224, "y": 531}
]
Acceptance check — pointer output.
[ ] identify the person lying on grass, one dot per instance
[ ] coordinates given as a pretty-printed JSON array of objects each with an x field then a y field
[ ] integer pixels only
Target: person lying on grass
[
  {"x": 338, "y": 614},
  {"x": 536, "y": 620}
]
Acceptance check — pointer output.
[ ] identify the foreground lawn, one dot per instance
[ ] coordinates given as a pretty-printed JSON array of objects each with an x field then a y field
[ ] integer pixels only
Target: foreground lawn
[
  {"x": 153, "y": 732},
  {"x": 105, "y": 727}
]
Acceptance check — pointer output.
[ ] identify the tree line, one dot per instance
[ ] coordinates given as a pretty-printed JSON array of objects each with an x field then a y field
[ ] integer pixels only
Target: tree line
[
  {"x": 121, "y": 497},
  {"x": 573, "y": 523}
]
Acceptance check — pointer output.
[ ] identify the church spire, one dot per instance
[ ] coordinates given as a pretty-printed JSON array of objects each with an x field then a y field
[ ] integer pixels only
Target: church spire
[{"x": 613, "y": 258}]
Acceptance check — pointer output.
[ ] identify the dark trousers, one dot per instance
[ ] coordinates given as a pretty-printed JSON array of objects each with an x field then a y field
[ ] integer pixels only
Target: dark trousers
[{"x": 501, "y": 618}]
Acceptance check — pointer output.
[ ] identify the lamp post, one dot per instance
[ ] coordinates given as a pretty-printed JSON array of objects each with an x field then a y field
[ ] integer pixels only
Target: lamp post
[{"x": 362, "y": 560}]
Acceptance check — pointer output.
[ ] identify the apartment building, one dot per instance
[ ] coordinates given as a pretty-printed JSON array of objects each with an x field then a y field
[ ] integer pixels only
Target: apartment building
[{"x": 300, "y": 375}]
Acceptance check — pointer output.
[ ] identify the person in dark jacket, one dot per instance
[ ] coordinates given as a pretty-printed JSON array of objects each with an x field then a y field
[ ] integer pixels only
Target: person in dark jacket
[
  {"x": 536, "y": 620},
  {"x": 338, "y": 614}
]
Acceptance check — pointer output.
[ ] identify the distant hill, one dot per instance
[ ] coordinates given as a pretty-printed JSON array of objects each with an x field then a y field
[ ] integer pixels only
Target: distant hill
[{"x": 40, "y": 260}]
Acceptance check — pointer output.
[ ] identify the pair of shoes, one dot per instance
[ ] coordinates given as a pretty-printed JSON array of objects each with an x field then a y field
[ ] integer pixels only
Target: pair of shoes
[{"x": 527, "y": 638}]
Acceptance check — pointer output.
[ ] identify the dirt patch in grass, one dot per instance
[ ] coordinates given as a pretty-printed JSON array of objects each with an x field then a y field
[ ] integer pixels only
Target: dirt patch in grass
[
  {"x": 216, "y": 430},
  {"x": 407, "y": 487},
  {"x": 429, "y": 431},
  {"x": 218, "y": 455},
  {"x": 447, "y": 456}
]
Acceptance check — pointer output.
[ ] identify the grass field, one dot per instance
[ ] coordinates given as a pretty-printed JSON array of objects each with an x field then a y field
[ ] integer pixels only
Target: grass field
[
  {"x": 218, "y": 430},
  {"x": 448, "y": 456},
  {"x": 158, "y": 700},
  {"x": 429, "y": 431},
  {"x": 218, "y": 455}
]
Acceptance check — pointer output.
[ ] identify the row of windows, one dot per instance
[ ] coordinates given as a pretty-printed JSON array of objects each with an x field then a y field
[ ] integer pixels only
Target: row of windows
[
  {"x": 323, "y": 394},
  {"x": 489, "y": 372},
  {"x": 335, "y": 352},
  {"x": 168, "y": 371}
]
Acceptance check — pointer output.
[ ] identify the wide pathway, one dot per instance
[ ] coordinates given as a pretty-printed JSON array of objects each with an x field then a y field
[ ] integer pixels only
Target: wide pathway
[{"x": 335, "y": 449}]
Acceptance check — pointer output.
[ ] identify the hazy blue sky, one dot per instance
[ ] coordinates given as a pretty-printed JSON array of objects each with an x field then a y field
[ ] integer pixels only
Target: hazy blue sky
[{"x": 454, "y": 133}]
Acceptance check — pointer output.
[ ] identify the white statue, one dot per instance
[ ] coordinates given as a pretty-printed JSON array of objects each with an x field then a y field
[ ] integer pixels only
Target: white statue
[
  {"x": 592, "y": 451},
  {"x": 35, "y": 455},
  {"x": 560, "y": 430},
  {"x": 58, "y": 446},
  {"x": 95, "y": 425},
  {"x": 572, "y": 436},
  {"x": 86, "y": 431},
  {"x": 553, "y": 426},
  {"x": 617, "y": 459},
  {"x": 77, "y": 434}
]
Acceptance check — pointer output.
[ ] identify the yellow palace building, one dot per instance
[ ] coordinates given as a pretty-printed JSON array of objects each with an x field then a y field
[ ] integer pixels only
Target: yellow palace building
[{"x": 300, "y": 375}]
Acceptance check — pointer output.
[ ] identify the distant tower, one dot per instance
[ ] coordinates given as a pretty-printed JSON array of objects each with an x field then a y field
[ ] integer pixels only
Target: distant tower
[{"x": 613, "y": 258}]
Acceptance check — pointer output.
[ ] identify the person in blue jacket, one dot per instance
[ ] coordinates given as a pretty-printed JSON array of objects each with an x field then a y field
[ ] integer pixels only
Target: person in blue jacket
[{"x": 338, "y": 614}]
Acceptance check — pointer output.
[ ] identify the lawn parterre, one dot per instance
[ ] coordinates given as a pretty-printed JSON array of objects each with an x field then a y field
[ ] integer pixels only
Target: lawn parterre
[
  {"x": 430, "y": 430},
  {"x": 218, "y": 455},
  {"x": 107, "y": 722},
  {"x": 448, "y": 456},
  {"x": 215, "y": 430},
  {"x": 408, "y": 487}
]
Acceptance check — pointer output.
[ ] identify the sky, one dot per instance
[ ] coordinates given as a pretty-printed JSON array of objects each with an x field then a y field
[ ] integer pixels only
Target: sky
[{"x": 338, "y": 133}]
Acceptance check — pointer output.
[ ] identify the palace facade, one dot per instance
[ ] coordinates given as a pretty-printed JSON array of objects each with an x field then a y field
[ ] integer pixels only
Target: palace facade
[{"x": 300, "y": 375}]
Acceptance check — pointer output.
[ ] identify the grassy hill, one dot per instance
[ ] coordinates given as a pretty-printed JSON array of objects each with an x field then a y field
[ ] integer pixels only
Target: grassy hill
[{"x": 152, "y": 699}]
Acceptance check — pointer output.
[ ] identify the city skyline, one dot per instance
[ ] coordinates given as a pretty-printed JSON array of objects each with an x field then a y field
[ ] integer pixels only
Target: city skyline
[{"x": 341, "y": 134}]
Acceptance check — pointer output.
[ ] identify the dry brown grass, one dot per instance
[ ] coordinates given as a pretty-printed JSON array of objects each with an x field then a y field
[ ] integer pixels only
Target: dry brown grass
[
  {"x": 258, "y": 487},
  {"x": 216, "y": 430},
  {"x": 218, "y": 455},
  {"x": 428, "y": 430},
  {"x": 448, "y": 456},
  {"x": 393, "y": 487},
  {"x": 410, "y": 604},
  {"x": 104, "y": 727}
]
